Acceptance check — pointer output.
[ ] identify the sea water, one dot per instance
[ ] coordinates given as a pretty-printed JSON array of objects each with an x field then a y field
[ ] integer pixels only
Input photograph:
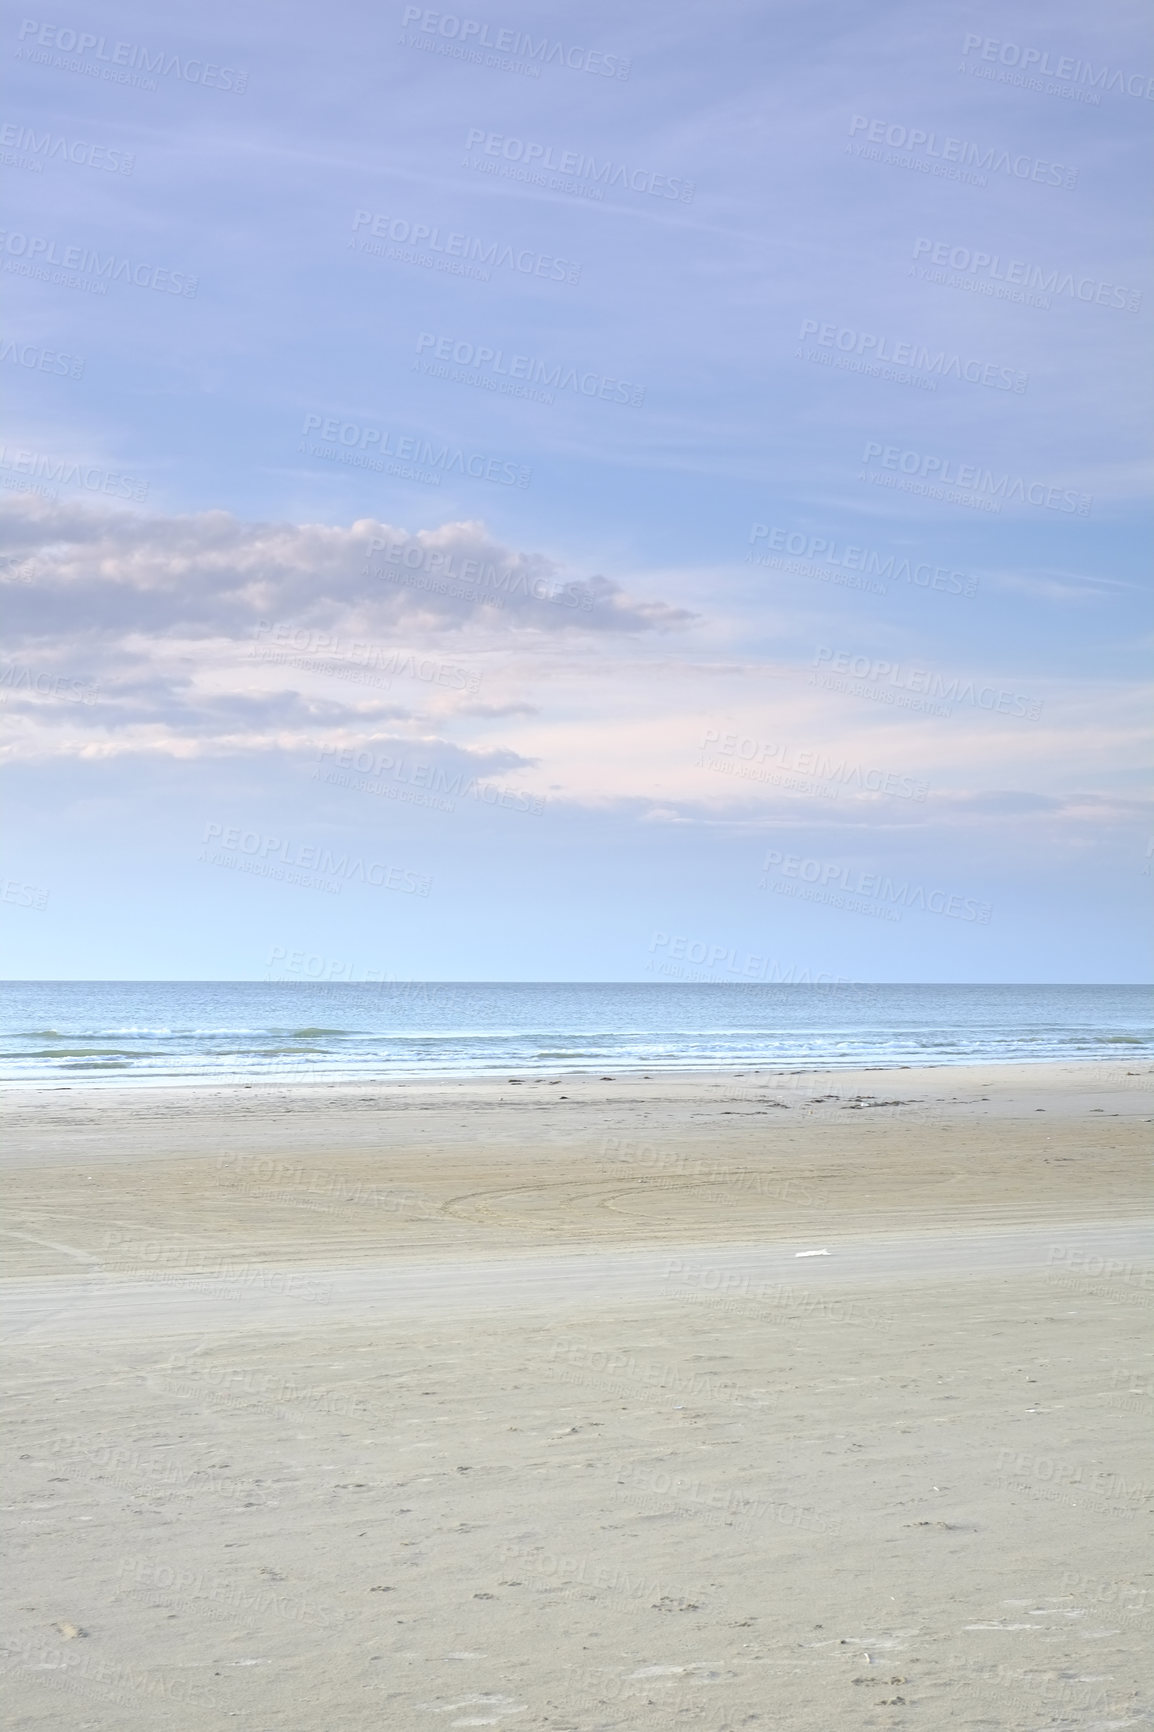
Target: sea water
[{"x": 124, "y": 1032}]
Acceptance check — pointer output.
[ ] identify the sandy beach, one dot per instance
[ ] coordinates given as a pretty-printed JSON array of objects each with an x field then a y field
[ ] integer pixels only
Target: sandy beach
[{"x": 805, "y": 1401}]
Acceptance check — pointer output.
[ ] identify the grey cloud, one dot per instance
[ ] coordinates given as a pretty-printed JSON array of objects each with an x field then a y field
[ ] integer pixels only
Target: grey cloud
[
  {"x": 494, "y": 710},
  {"x": 148, "y": 612},
  {"x": 213, "y": 574},
  {"x": 34, "y": 688}
]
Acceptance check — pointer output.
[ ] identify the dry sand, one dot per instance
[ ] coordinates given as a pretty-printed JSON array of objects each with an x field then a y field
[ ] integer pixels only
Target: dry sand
[{"x": 515, "y": 1403}]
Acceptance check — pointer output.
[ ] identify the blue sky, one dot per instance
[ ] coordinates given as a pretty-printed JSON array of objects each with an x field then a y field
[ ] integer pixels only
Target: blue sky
[{"x": 555, "y": 493}]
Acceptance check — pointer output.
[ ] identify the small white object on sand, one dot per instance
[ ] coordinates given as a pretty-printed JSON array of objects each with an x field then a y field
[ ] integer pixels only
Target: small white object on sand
[{"x": 811, "y": 1253}]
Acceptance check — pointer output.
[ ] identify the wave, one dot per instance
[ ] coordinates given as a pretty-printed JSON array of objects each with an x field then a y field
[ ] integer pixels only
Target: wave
[
  {"x": 191, "y": 1032},
  {"x": 90, "y": 1052},
  {"x": 100, "y": 1064}
]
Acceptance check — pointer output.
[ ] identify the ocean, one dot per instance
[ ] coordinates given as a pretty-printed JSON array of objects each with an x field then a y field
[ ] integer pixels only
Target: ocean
[{"x": 91, "y": 1033}]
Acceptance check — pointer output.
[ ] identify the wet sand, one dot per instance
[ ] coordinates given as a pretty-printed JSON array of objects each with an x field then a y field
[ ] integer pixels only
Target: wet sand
[{"x": 803, "y": 1401}]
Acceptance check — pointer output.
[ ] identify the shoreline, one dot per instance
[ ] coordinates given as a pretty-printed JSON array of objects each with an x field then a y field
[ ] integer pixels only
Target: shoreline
[{"x": 1126, "y": 1075}]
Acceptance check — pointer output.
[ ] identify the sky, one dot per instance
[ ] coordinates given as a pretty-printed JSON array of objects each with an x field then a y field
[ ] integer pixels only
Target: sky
[{"x": 572, "y": 492}]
